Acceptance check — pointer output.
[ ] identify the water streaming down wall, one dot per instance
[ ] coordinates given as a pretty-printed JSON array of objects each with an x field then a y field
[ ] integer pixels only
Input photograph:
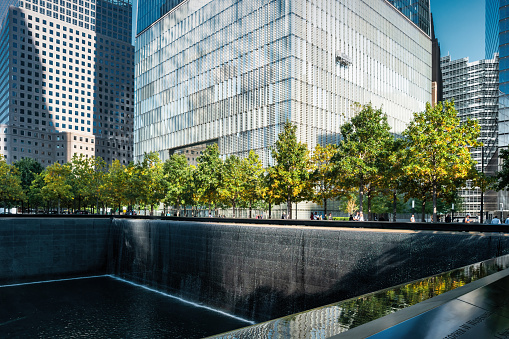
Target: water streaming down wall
[
  {"x": 253, "y": 271},
  {"x": 264, "y": 272},
  {"x": 35, "y": 249}
]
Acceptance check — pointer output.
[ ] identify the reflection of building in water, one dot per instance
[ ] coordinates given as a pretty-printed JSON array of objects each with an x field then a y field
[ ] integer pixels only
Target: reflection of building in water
[
  {"x": 236, "y": 71},
  {"x": 67, "y": 80},
  {"x": 474, "y": 88}
]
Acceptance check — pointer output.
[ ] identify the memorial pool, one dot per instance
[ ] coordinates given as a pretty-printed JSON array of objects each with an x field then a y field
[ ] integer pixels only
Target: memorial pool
[{"x": 103, "y": 307}]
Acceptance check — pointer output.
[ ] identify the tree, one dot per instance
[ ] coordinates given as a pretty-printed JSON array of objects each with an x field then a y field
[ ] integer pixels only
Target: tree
[
  {"x": 148, "y": 180},
  {"x": 323, "y": 178},
  {"x": 28, "y": 169},
  {"x": 270, "y": 195},
  {"x": 502, "y": 182},
  {"x": 98, "y": 176},
  {"x": 114, "y": 186},
  {"x": 57, "y": 185},
  {"x": 291, "y": 172},
  {"x": 233, "y": 180},
  {"x": 11, "y": 188},
  {"x": 365, "y": 141},
  {"x": 392, "y": 172},
  {"x": 208, "y": 176},
  {"x": 253, "y": 185},
  {"x": 348, "y": 203},
  {"x": 438, "y": 149},
  {"x": 178, "y": 178}
]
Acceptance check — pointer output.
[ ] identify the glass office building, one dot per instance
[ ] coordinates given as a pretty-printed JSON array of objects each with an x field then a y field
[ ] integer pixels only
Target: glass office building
[
  {"x": 234, "y": 71},
  {"x": 67, "y": 86},
  {"x": 415, "y": 10},
  {"x": 474, "y": 88},
  {"x": 504, "y": 73},
  {"x": 492, "y": 28}
]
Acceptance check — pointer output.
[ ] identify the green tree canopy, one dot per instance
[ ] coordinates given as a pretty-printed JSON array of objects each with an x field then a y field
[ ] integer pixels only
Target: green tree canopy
[
  {"x": 28, "y": 170},
  {"x": 253, "y": 185},
  {"x": 208, "y": 176},
  {"x": 233, "y": 179},
  {"x": 438, "y": 150},
  {"x": 57, "y": 184},
  {"x": 502, "y": 182},
  {"x": 11, "y": 188},
  {"x": 323, "y": 177},
  {"x": 114, "y": 186},
  {"x": 178, "y": 178},
  {"x": 365, "y": 142},
  {"x": 291, "y": 173}
]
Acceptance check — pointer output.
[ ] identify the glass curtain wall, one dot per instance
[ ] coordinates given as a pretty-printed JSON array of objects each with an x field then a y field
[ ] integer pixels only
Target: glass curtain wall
[{"x": 236, "y": 71}]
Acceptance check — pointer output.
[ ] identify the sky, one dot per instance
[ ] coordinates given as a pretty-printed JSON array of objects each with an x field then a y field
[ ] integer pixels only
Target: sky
[{"x": 459, "y": 27}]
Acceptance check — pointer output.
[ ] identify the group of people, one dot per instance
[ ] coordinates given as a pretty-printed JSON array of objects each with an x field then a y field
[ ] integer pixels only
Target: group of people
[
  {"x": 496, "y": 220},
  {"x": 316, "y": 216},
  {"x": 357, "y": 217},
  {"x": 468, "y": 220}
]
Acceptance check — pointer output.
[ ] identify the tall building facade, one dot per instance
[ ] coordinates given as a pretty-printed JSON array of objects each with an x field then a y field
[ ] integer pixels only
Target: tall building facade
[
  {"x": 67, "y": 80},
  {"x": 437, "y": 90},
  {"x": 503, "y": 48},
  {"x": 233, "y": 72},
  {"x": 492, "y": 28},
  {"x": 474, "y": 88},
  {"x": 416, "y": 10}
]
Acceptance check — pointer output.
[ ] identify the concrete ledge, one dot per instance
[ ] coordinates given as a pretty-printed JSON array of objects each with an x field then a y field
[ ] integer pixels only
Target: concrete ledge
[{"x": 383, "y": 225}]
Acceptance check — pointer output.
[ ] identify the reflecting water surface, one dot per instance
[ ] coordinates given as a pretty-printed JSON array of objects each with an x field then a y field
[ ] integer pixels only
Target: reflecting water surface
[
  {"x": 103, "y": 307},
  {"x": 336, "y": 318}
]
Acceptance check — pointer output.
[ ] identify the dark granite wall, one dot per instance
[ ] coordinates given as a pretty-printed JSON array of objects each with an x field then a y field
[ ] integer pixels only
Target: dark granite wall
[
  {"x": 265, "y": 272},
  {"x": 258, "y": 272},
  {"x": 34, "y": 249}
]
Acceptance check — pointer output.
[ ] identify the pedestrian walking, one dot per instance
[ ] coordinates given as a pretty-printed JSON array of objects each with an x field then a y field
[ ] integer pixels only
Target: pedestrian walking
[{"x": 495, "y": 221}]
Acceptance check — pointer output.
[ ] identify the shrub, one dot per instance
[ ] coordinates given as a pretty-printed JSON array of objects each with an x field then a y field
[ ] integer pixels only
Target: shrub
[{"x": 340, "y": 218}]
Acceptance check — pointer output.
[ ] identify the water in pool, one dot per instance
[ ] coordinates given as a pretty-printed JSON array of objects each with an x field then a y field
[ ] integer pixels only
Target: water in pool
[{"x": 103, "y": 307}]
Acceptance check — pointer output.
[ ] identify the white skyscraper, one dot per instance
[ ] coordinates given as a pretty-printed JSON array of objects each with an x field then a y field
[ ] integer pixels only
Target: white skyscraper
[{"x": 234, "y": 71}]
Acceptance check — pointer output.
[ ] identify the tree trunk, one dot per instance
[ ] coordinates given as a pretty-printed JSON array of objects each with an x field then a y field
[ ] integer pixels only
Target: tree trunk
[
  {"x": 423, "y": 206},
  {"x": 370, "y": 217},
  {"x": 361, "y": 194},
  {"x": 270, "y": 210},
  {"x": 435, "y": 203},
  {"x": 250, "y": 209},
  {"x": 325, "y": 207},
  {"x": 394, "y": 205},
  {"x": 289, "y": 207}
]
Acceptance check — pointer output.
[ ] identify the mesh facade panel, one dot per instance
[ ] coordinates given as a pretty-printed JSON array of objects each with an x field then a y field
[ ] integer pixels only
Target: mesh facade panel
[{"x": 236, "y": 71}]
